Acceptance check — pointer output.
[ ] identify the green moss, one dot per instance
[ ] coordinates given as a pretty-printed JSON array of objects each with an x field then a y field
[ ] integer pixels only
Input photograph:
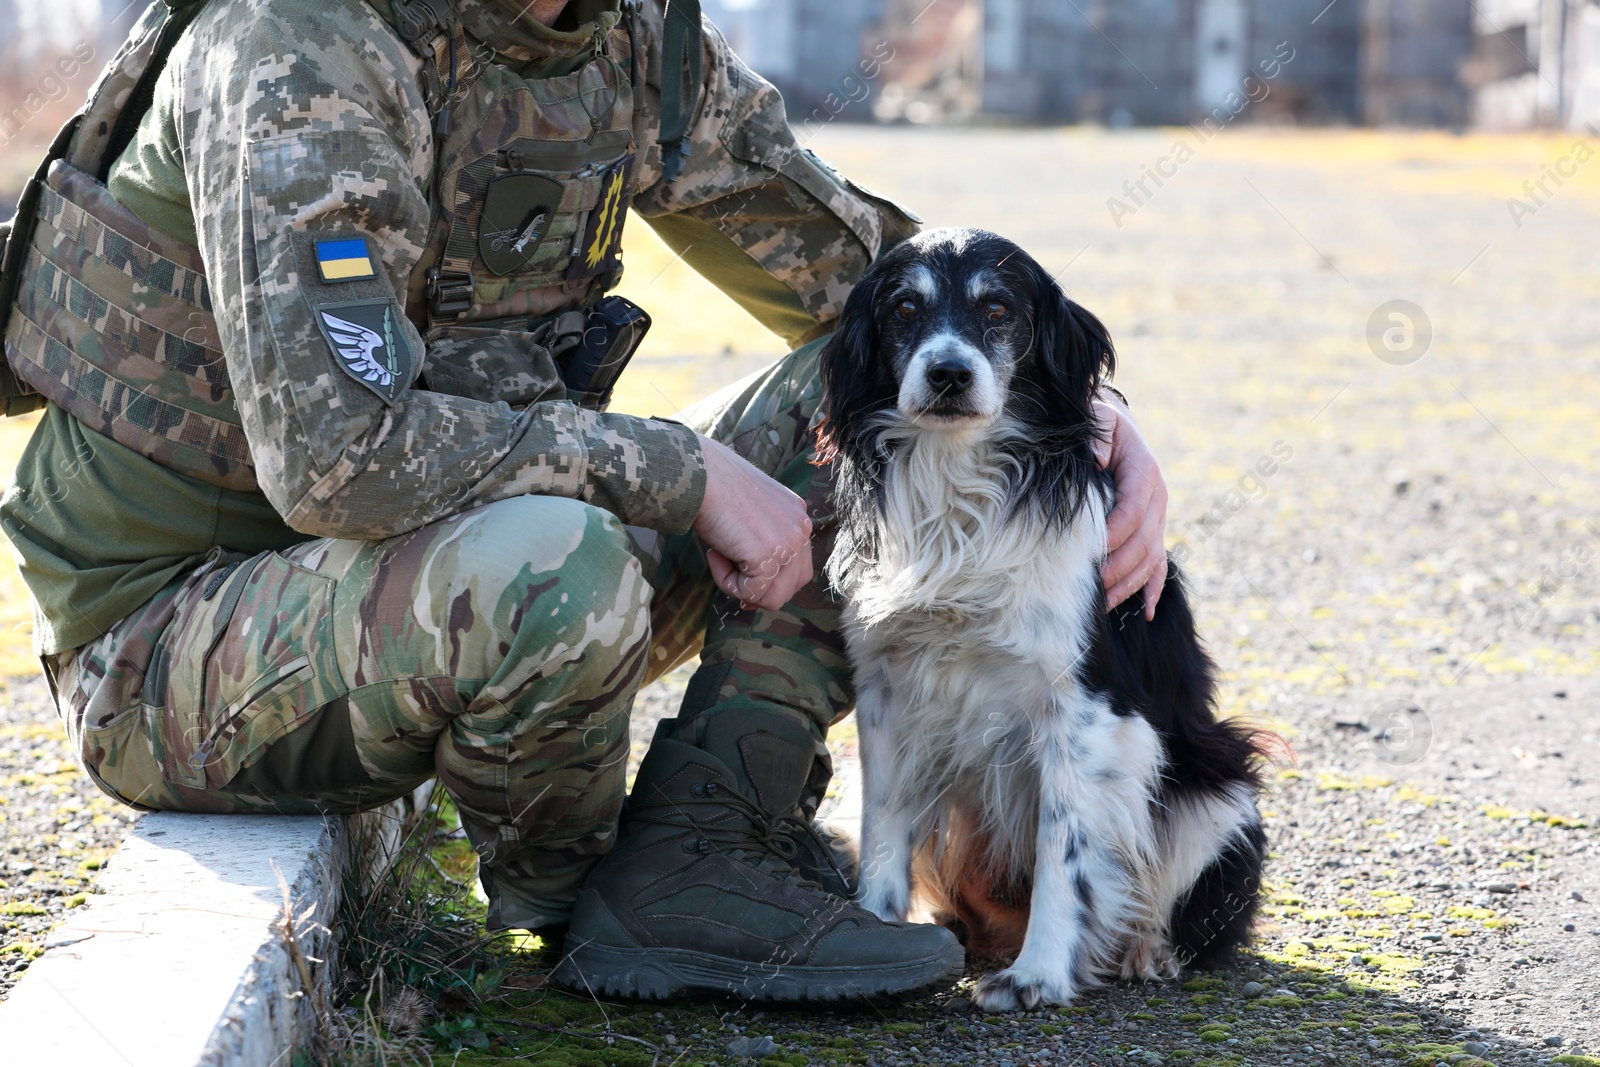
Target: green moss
[
  {"x": 1427, "y": 1053},
  {"x": 22, "y": 907},
  {"x": 1191, "y": 1017},
  {"x": 1577, "y": 1061}
]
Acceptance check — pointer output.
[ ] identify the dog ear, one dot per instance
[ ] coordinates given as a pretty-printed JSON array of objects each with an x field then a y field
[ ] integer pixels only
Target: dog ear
[
  {"x": 1072, "y": 350},
  {"x": 851, "y": 372}
]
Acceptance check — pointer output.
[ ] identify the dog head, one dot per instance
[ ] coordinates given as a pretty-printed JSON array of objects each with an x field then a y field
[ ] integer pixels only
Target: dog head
[{"x": 957, "y": 330}]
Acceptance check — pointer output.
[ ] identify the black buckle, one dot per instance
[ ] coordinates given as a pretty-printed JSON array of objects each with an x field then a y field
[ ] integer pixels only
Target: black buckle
[
  {"x": 419, "y": 21},
  {"x": 450, "y": 293}
]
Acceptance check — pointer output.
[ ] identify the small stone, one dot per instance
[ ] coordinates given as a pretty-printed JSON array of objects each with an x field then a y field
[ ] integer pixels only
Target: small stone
[
  {"x": 1554, "y": 1040},
  {"x": 1502, "y": 888},
  {"x": 670, "y": 1039},
  {"x": 1569, "y": 928},
  {"x": 1577, "y": 896},
  {"x": 958, "y": 1004},
  {"x": 1253, "y": 989},
  {"x": 1460, "y": 967},
  {"x": 752, "y": 1047},
  {"x": 1476, "y": 1048},
  {"x": 1433, "y": 937}
]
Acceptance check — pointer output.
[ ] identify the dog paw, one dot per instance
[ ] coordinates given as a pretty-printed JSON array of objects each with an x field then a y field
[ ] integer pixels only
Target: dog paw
[
  {"x": 1016, "y": 990},
  {"x": 1151, "y": 960},
  {"x": 888, "y": 906}
]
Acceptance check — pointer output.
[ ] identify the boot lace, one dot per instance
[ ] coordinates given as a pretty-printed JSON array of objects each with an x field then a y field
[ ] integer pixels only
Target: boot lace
[{"x": 764, "y": 841}]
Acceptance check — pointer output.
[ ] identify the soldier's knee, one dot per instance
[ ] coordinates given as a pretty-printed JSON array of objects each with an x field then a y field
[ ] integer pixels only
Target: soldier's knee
[{"x": 546, "y": 571}]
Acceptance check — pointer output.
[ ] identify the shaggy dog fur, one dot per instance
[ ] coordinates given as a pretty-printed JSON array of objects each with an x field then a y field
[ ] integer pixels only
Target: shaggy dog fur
[{"x": 1047, "y": 776}]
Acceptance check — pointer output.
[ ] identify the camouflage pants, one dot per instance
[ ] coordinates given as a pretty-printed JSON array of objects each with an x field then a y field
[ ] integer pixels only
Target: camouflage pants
[{"x": 498, "y": 649}]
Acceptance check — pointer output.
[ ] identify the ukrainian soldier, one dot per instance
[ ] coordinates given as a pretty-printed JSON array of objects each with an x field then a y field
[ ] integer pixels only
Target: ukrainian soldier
[{"x": 325, "y": 503}]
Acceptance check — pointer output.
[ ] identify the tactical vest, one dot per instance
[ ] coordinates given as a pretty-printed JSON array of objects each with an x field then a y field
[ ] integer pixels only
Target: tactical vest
[{"x": 532, "y": 180}]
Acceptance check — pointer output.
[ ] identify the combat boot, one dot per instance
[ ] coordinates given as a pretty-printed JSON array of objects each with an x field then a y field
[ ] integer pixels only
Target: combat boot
[
  {"x": 787, "y": 772},
  {"x": 701, "y": 893}
]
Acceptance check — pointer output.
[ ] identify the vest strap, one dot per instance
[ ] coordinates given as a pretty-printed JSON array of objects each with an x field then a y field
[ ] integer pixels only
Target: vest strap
[{"x": 682, "y": 53}]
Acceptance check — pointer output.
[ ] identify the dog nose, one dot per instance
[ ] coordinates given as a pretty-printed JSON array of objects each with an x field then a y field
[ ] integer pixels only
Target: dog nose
[{"x": 950, "y": 375}]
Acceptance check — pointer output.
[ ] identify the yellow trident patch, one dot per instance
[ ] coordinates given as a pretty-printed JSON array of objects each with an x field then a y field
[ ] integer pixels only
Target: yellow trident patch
[{"x": 602, "y": 238}]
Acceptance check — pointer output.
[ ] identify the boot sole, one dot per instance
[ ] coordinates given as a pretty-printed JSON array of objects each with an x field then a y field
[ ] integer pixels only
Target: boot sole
[{"x": 659, "y": 973}]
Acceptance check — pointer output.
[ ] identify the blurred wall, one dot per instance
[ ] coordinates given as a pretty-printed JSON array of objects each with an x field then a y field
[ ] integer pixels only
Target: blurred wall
[
  {"x": 813, "y": 50},
  {"x": 1412, "y": 54},
  {"x": 1168, "y": 61}
]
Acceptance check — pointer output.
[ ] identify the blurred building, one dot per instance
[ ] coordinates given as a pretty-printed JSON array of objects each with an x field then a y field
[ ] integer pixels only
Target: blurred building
[
  {"x": 8, "y": 26},
  {"x": 816, "y": 51},
  {"x": 933, "y": 62},
  {"x": 1507, "y": 63},
  {"x": 1535, "y": 63},
  {"x": 1129, "y": 62},
  {"x": 1412, "y": 56}
]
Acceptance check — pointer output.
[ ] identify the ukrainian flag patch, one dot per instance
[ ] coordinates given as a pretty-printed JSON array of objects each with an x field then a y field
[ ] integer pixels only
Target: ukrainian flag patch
[{"x": 345, "y": 260}]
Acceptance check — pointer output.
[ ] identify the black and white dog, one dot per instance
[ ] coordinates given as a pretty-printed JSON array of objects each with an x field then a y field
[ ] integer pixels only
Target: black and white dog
[{"x": 1028, "y": 760}]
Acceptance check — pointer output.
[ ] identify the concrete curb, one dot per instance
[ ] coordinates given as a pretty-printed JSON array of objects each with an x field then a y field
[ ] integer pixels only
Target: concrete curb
[{"x": 180, "y": 957}]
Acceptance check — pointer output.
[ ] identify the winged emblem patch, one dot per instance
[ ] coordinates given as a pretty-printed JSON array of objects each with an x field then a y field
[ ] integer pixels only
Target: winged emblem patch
[{"x": 369, "y": 345}]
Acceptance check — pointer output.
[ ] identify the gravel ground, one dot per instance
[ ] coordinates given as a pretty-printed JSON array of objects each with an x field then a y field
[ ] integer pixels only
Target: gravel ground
[
  {"x": 59, "y": 829},
  {"x": 1423, "y": 540}
]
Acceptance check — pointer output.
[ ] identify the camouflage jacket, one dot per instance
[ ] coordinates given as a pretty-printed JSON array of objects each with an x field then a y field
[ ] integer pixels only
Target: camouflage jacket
[{"x": 303, "y": 122}]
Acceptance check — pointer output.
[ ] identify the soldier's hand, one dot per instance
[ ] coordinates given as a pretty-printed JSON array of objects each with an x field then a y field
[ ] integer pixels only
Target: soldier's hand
[
  {"x": 1136, "y": 528},
  {"x": 756, "y": 532}
]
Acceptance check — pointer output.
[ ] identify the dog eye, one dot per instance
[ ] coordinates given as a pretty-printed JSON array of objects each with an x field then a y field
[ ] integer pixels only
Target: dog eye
[
  {"x": 995, "y": 310},
  {"x": 906, "y": 309}
]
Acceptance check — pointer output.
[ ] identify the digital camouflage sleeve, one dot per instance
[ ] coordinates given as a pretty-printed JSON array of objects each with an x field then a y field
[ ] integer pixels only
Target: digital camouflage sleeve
[{"x": 300, "y": 121}]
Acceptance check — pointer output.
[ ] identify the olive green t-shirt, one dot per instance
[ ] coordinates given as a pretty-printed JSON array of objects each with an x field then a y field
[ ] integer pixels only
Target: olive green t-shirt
[{"x": 101, "y": 529}]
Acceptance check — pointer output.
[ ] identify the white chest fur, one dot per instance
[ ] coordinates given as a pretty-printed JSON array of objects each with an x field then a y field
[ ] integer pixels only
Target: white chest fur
[{"x": 973, "y": 613}]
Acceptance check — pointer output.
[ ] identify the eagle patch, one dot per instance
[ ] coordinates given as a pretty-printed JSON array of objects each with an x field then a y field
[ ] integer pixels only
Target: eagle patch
[{"x": 369, "y": 343}]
